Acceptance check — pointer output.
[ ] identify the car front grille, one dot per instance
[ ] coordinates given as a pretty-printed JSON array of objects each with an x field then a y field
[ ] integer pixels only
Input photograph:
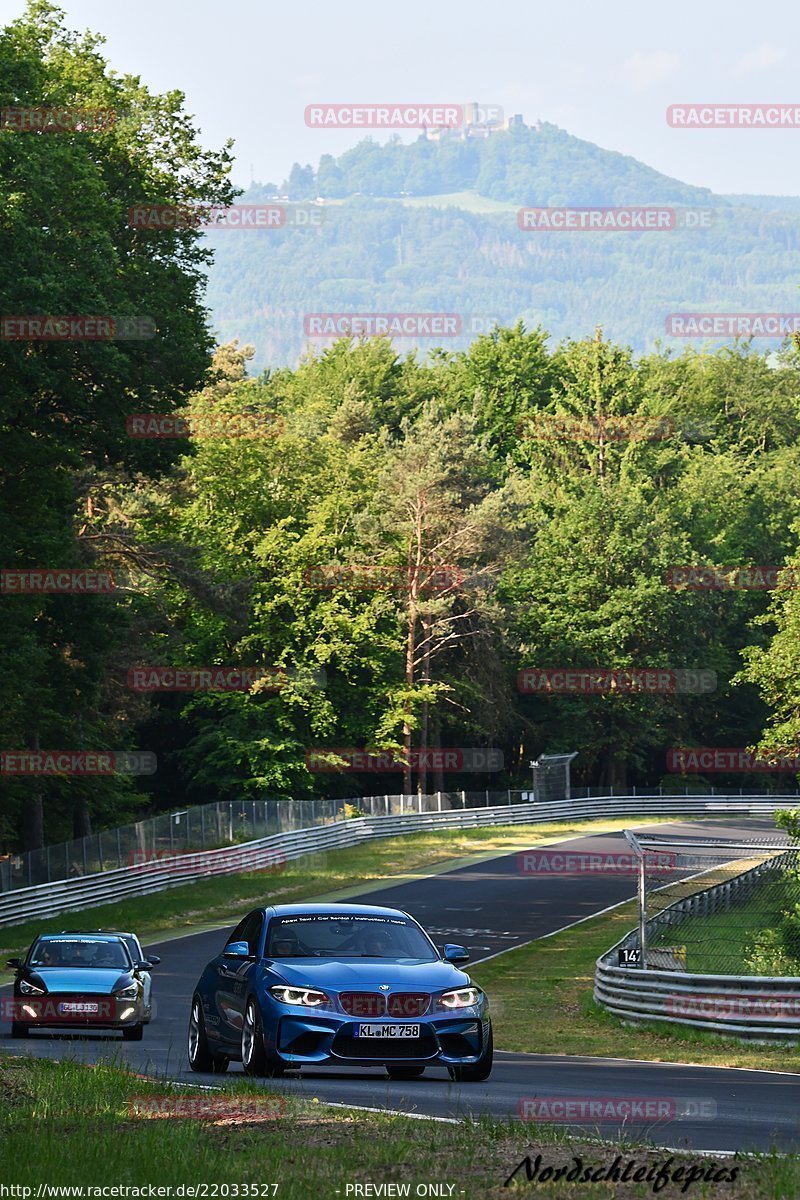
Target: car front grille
[
  {"x": 408, "y": 1004},
  {"x": 374, "y": 1004},
  {"x": 363, "y": 1004}
]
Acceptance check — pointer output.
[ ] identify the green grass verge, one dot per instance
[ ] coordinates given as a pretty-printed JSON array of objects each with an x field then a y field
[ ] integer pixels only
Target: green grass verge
[
  {"x": 333, "y": 874},
  {"x": 63, "y": 1124},
  {"x": 541, "y": 996}
]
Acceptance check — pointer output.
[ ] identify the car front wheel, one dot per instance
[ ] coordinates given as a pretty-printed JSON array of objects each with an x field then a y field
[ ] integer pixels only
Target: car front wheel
[
  {"x": 255, "y": 1059},
  {"x": 478, "y": 1071},
  {"x": 133, "y": 1033},
  {"x": 18, "y": 1030}
]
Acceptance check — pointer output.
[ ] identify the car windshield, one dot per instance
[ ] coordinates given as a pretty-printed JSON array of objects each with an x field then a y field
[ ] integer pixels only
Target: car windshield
[
  {"x": 325, "y": 935},
  {"x": 79, "y": 952}
]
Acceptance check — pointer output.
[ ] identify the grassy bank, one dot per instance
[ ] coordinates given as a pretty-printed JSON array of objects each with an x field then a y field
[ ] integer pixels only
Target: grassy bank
[{"x": 64, "y": 1124}]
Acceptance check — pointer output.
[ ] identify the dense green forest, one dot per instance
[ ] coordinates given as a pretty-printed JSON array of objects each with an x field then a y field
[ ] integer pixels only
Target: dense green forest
[{"x": 397, "y": 535}]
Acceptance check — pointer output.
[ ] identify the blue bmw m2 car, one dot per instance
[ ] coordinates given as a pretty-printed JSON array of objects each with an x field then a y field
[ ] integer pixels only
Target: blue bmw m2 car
[{"x": 338, "y": 985}]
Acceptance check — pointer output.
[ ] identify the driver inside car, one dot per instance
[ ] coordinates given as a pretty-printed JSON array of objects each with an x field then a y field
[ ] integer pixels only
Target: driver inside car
[
  {"x": 375, "y": 944},
  {"x": 285, "y": 945}
]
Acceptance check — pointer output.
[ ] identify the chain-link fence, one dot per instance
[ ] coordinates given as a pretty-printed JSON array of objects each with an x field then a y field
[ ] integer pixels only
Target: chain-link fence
[
  {"x": 210, "y": 826},
  {"x": 228, "y": 822},
  {"x": 720, "y": 907}
]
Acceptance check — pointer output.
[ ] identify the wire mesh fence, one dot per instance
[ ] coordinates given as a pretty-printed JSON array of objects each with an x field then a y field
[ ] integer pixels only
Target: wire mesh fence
[
  {"x": 715, "y": 906},
  {"x": 211, "y": 826},
  {"x": 229, "y": 822}
]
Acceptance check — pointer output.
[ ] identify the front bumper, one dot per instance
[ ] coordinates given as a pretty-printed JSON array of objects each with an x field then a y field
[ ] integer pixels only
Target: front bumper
[
  {"x": 330, "y": 1040},
  {"x": 64, "y": 1010}
]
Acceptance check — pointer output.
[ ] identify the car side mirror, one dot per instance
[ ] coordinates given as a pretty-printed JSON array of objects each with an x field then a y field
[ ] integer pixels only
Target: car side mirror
[
  {"x": 456, "y": 954},
  {"x": 13, "y": 962},
  {"x": 144, "y": 965},
  {"x": 236, "y": 950},
  {"x": 154, "y": 960}
]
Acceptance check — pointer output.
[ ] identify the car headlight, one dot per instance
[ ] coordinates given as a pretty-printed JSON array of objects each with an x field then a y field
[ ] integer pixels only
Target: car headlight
[
  {"x": 30, "y": 989},
  {"x": 307, "y": 997},
  {"x": 461, "y": 998},
  {"x": 128, "y": 993}
]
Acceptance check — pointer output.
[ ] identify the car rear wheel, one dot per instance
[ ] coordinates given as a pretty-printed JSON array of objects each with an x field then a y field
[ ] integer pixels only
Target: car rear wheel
[
  {"x": 133, "y": 1033},
  {"x": 255, "y": 1059},
  {"x": 201, "y": 1057},
  {"x": 404, "y": 1072},
  {"x": 18, "y": 1030},
  {"x": 478, "y": 1071}
]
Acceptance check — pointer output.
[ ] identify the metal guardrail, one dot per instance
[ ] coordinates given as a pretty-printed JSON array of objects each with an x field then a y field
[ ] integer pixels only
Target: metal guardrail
[
  {"x": 138, "y": 879},
  {"x": 264, "y": 854},
  {"x": 212, "y": 826},
  {"x": 750, "y": 1006},
  {"x": 224, "y": 822}
]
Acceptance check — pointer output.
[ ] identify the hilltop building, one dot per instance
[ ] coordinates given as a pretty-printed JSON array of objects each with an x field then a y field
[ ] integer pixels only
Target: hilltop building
[{"x": 480, "y": 121}]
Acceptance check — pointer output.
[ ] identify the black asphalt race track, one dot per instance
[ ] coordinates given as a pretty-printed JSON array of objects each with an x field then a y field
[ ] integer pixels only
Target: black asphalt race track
[{"x": 490, "y": 907}]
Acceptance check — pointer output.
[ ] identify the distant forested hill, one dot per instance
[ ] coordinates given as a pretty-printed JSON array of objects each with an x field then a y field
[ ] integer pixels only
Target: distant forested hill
[
  {"x": 541, "y": 165},
  {"x": 432, "y": 226}
]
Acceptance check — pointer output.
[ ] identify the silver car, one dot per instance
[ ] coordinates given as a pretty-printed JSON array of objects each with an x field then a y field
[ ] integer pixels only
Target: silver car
[{"x": 134, "y": 947}]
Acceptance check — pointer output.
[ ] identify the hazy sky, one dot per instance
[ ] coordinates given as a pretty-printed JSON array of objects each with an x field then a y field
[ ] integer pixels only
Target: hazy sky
[{"x": 605, "y": 72}]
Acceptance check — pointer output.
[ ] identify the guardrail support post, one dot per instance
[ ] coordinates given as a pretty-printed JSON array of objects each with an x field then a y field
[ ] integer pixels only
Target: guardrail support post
[{"x": 642, "y": 914}]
